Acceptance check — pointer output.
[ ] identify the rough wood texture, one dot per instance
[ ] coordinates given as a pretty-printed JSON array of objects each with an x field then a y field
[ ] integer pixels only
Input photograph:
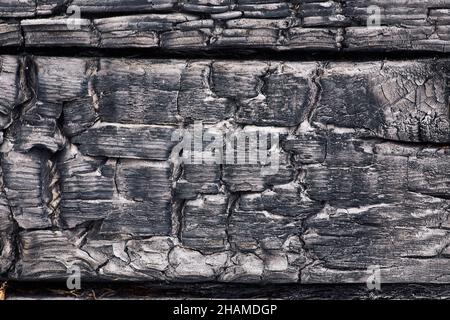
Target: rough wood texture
[
  {"x": 91, "y": 176},
  {"x": 335, "y": 25}
]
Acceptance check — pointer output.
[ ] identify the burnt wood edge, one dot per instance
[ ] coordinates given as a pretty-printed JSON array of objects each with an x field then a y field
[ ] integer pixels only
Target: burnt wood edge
[{"x": 163, "y": 290}]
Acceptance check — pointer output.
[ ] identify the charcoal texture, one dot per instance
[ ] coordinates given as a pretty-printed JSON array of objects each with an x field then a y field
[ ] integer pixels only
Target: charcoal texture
[
  {"x": 326, "y": 25},
  {"x": 92, "y": 176},
  {"x": 357, "y": 174}
]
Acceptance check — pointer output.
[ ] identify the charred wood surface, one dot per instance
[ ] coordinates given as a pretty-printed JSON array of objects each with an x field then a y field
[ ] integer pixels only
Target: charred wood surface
[
  {"x": 91, "y": 175},
  {"x": 336, "y": 25}
]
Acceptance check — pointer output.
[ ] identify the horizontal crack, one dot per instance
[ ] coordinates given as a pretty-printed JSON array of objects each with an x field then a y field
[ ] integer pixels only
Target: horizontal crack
[{"x": 231, "y": 53}]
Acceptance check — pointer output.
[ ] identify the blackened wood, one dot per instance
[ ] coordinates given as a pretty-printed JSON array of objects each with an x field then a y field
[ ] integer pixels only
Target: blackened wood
[{"x": 92, "y": 178}]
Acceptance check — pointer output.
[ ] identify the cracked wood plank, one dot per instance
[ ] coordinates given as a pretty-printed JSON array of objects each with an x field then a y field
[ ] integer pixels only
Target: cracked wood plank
[
  {"x": 91, "y": 176},
  {"x": 318, "y": 25}
]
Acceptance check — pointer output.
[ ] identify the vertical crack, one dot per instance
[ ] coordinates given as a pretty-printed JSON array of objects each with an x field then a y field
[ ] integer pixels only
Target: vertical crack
[
  {"x": 232, "y": 202},
  {"x": 116, "y": 185},
  {"x": 178, "y": 218},
  {"x": 316, "y": 89},
  {"x": 178, "y": 205},
  {"x": 180, "y": 117},
  {"x": 54, "y": 190},
  {"x": 93, "y": 67}
]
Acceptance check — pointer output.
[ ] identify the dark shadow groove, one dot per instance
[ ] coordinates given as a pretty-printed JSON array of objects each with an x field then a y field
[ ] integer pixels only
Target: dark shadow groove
[
  {"x": 224, "y": 53},
  {"x": 146, "y": 290}
]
